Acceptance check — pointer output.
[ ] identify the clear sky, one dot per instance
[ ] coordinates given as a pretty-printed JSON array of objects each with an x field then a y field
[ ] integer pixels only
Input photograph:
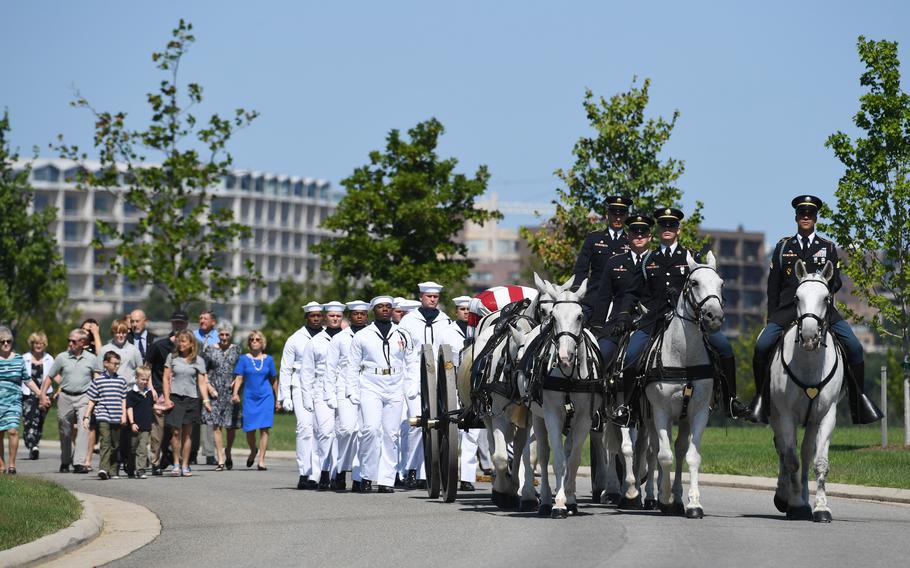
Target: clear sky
[{"x": 760, "y": 85}]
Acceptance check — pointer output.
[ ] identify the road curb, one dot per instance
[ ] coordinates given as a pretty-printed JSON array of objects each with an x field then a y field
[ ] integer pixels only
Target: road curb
[{"x": 49, "y": 547}]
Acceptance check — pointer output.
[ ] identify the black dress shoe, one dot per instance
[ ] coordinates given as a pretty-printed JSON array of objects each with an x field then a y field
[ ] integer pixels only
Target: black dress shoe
[
  {"x": 33, "y": 454},
  {"x": 79, "y": 468},
  {"x": 228, "y": 462},
  {"x": 303, "y": 482},
  {"x": 465, "y": 486},
  {"x": 411, "y": 480},
  {"x": 421, "y": 484},
  {"x": 64, "y": 468},
  {"x": 398, "y": 482},
  {"x": 356, "y": 486},
  {"x": 340, "y": 482},
  {"x": 156, "y": 471},
  {"x": 385, "y": 489},
  {"x": 366, "y": 486},
  {"x": 325, "y": 481}
]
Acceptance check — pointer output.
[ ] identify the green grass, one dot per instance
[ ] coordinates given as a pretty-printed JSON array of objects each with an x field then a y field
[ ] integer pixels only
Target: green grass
[{"x": 33, "y": 508}]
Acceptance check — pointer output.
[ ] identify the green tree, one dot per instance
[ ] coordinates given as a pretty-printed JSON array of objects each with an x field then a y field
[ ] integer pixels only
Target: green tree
[
  {"x": 182, "y": 237},
  {"x": 621, "y": 156},
  {"x": 872, "y": 220},
  {"x": 285, "y": 315},
  {"x": 398, "y": 221},
  {"x": 33, "y": 291}
]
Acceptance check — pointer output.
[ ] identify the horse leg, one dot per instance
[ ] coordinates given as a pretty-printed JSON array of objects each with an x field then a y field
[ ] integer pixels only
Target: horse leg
[
  {"x": 519, "y": 441},
  {"x": 543, "y": 461},
  {"x": 528, "y": 501},
  {"x": 789, "y": 493},
  {"x": 821, "y": 513},
  {"x": 662, "y": 427},
  {"x": 649, "y": 462},
  {"x": 693, "y": 459},
  {"x": 555, "y": 420},
  {"x": 612, "y": 450},
  {"x": 807, "y": 456},
  {"x": 631, "y": 499},
  {"x": 575, "y": 441},
  {"x": 500, "y": 459}
]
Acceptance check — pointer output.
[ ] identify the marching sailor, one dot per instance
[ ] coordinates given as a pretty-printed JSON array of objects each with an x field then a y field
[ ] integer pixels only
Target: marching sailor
[
  {"x": 614, "y": 293},
  {"x": 313, "y": 378},
  {"x": 382, "y": 364},
  {"x": 454, "y": 336},
  {"x": 401, "y": 307},
  {"x": 291, "y": 394},
  {"x": 665, "y": 272},
  {"x": 336, "y": 396},
  {"x": 426, "y": 324},
  {"x": 815, "y": 252},
  {"x": 601, "y": 246}
]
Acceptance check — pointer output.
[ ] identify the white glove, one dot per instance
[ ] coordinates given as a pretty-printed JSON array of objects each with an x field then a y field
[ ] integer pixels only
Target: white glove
[
  {"x": 413, "y": 391},
  {"x": 331, "y": 402},
  {"x": 288, "y": 405},
  {"x": 307, "y": 402},
  {"x": 354, "y": 398}
]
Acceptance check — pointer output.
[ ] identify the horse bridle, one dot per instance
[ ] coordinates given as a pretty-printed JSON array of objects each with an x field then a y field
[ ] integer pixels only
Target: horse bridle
[
  {"x": 689, "y": 298},
  {"x": 576, "y": 337},
  {"x": 822, "y": 320}
]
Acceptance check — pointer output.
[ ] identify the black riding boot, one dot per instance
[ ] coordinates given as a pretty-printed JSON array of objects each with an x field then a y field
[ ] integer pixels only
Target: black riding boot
[
  {"x": 624, "y": 413},
  {"x": 732, "y": 406},
  {"x": 761, "y": 404},
  {"x": 862, "y": 409}
]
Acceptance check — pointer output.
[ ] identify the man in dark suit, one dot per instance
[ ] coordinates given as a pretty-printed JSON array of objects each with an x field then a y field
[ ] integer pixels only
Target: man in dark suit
[
  {"x": 601, "y": 246},
  {"x": 815, "y": 252},
  {"x": 139, "y": 335}
]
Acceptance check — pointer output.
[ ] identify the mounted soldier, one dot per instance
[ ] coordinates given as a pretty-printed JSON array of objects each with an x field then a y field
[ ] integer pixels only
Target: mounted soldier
[
  {"x": 601, "y": 246},
  {"x": 814, "y": 251},
  {"x": 665, "y": 271}
]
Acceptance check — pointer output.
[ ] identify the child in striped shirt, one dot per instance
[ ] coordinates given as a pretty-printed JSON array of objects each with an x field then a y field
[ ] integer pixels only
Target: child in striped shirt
[{"x": 107, "y": 398}]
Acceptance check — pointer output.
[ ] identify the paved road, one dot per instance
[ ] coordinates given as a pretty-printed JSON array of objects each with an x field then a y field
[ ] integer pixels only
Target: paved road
[{"x": 247, "y": 517}]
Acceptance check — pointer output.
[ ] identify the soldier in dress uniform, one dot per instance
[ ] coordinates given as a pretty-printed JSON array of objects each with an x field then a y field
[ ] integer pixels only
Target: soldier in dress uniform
[
  {"x": 600, "y": 246},
  {"x": 291, "y": 394},
  {"x": 383, "y": 368},
  {"x": 814, "y": 251},
  {"x": 426, "y": 324},
  {"x": 313, "y": 372},
  {"x": 665, "y": 271},
  {"x": 615, "y": 293}
]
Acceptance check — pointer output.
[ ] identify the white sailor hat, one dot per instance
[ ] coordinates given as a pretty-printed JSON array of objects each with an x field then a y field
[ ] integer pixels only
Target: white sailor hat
[
  {"x": 312, "y": 307},
  {"x": 396, "y": 303},
  {"x": 381, "y": 300},
  {"x": 334, "y": 306},
  {"x": 429, "y": 288},
  {"x": 358, "y": 306},
  {"x": 408, "y": 305},
  {"x": 461, "y": 301}
]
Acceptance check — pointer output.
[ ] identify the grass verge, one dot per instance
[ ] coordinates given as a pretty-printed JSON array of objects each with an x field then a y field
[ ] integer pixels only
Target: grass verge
[{"x": 33, "y": 508}]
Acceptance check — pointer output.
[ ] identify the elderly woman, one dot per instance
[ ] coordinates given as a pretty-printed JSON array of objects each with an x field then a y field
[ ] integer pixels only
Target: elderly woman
[
  {"x": 256, "y": 373},
  {"x": 38, "y": 363},
  {"x": 220, "y": 361},
  {"x": 13, "y": 375}
]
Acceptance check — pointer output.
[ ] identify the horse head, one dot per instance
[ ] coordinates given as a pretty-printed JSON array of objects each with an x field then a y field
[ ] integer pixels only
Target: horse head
[
  {"x": 568, "y": 321},
  {"x": 544, "y": 301},
  {"x": 702, "y": 293},
  {"x": 812, "y": 301}
]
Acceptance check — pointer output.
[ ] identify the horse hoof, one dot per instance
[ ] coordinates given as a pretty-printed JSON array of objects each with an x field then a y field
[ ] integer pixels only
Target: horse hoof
[
  {"x": 651, "y": 504},
  {"x": 695, "y": 513},
  {"x": 780, "y": 503},
  {"x": 611, "y": 499},
  {"x": 505, "y": 501},
  {"x": 803, "y": 513},
  {"x": 559, "y": 513},
  {"x": 669, "y": 509},
  {"x": 544, "y": 510},
  {"x": 572, "y": 508},
  {"x": 821, "y": 516},
  {"x": 526, "y": 506},
  {"x": 626, "y": 504}
]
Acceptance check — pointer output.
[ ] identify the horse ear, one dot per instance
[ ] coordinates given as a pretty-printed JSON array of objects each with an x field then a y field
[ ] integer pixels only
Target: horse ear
[
  {"x": 583, "y": 289},
  {"x": 710, "y": 260},
  {"x": 516, "y": 333},
  {"x": 568, "y": 284},
  {"x": 690, "y": 261},
  {"x": 828, "y": 271},
  {"x": 800, "y": 269},
  {"x": 540, "y": 283},
  {"x": 551, "y": 289}
]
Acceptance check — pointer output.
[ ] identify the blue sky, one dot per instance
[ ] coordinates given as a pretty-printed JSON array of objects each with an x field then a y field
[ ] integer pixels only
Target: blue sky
[{"x": 760, "y": 85}]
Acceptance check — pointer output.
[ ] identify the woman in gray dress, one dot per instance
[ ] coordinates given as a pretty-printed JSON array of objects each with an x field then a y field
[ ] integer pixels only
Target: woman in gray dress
[{"x": 219, "y": 361}]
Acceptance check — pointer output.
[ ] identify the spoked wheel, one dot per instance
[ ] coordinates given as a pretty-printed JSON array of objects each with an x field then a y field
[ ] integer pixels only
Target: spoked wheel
[
  {"x": 428, "y": 412},
  {"x": 448, "y": 429}
]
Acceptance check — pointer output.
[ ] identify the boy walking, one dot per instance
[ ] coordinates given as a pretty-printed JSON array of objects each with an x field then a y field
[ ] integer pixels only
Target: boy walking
[
  {"x": 139, "y": 404},
  {"x": 107, "y": 399}
]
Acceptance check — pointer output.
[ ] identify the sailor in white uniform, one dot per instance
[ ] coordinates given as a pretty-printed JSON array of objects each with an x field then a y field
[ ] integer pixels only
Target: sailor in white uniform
[
  {"x": 426, "y": 324},
  {"x": 336, "y": 396},
  {"x": 291, "y": 394},
  {"x": 312, "y": 377},
  {"x": 454, "y": 336},
  {"x": 383, "y": 363},
  {"x": 401, "y": 307}
]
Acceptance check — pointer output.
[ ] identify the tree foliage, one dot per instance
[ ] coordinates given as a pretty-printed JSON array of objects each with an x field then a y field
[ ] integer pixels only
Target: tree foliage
[
  {"x": 284, "y": 315},
  {"x": 181, "y": 238},
  {"x": 872, "y": 219},
  {"x": 398, "y": 222},
  {"x": 33, "y": 289},
  {"x": 621, "y": 156}
]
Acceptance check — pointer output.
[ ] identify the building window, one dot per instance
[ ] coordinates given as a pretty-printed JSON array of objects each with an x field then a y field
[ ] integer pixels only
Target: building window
[
  {"x": 258, "y": 211},
  {"x": 298, "y": 189},
  {"x": 482, "y": 276},
  {"x": 476, "y": 246},
  {"x": 245, "y": 182},
  {"x": 730, "y": 273},
  {"x": 751, "y": 250},
  {"x": 259, "y": 184},
  {"x": 103, "y": 203},
  {"x": 129, "y": 209},
  {"x": 505, "y": 246},
  {"x": 285, "y": 188},
  {"x": 41, "y": 201},
  {"x": 46, "y": 173},
  {"x": 271, "y": 186},
  {"x": 73, "y": 175},
  {"x": 71, "y": 232},
  {"x": 752, "y": 299},
  {"x": 72, "y": 257},
  {"x": 230, "y": 181},
  {"x": 71, "y": 204},
  {"x": 311, "y": 190},
  {"x": 753, "y": 274},
  {"x": 727, "y": 248}
]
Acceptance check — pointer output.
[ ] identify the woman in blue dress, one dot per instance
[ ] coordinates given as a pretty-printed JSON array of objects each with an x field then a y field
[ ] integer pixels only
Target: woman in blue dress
[{"x": 256, "y": 373}]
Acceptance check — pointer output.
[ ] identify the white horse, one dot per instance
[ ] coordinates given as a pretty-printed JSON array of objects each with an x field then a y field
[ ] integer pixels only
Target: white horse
[
  {"x": 569, "y": 363},
  {"x": 686, "y": 383},
  {"x": 805, "y": 388}
]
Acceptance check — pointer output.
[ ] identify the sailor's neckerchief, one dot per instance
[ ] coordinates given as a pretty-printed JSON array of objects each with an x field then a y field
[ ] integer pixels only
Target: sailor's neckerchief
[
  {"x": 429, "y": 316},
  {"x": 384, "y": 327}
]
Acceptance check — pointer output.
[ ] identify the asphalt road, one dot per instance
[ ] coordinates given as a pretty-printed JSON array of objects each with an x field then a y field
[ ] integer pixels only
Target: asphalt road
[{"x": 251, "y": 518}]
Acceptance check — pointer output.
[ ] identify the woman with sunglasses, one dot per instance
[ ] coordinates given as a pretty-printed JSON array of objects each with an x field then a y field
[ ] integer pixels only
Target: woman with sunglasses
[
  {"x": 13, "y": 375},
  {"x": 256, "y": 373},
  {"x": 221, "y": 359}
]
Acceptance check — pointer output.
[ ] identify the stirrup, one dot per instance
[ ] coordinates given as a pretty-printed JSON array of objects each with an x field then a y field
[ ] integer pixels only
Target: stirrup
[{"x": 622, "y": 416}]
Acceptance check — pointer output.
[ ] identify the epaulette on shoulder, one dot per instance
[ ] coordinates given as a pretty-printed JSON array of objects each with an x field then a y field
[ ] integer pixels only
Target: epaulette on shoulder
[
  {"x": 783, "y": 239},
  {"x": 824, "y": 240}
]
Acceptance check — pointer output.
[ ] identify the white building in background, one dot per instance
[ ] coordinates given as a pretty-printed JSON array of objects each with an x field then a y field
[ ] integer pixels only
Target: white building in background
[{"x": 284, "y": 213}]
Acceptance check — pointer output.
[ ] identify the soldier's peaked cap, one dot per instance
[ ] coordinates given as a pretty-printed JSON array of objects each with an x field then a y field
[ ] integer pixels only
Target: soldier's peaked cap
[
  {"x": 665, "y": 213},
  {"x": 809, "y": 201},
  {"x": 618, "y": 201}
]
